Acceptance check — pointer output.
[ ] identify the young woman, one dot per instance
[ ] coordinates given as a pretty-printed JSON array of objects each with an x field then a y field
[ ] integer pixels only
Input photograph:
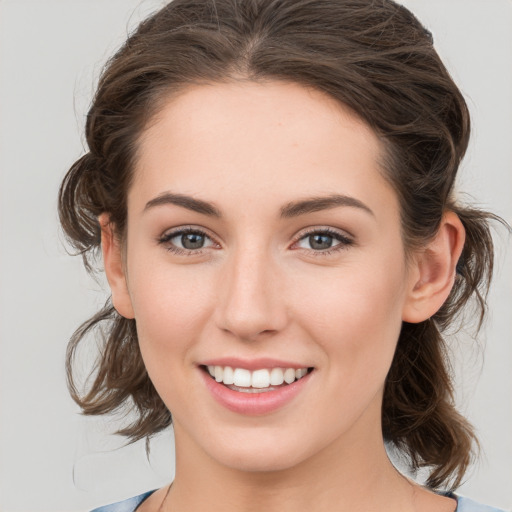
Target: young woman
[{"x": 271, "y": 184}]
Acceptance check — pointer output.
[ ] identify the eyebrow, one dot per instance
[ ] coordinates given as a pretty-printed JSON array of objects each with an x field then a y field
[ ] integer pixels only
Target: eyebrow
[
  {"x": 191, "y": 203},
  {"x": 315, "y": 204},
  {"x": 290, "y": 210}
]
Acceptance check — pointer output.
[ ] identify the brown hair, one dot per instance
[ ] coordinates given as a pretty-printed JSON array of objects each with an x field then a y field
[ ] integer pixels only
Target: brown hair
[{"x": 371, "y": 55}]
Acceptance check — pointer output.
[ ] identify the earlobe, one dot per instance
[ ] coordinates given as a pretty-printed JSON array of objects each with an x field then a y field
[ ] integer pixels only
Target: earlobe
[
  {"x": 433, "y": 271},
  {"x": 114, "y": 268}
]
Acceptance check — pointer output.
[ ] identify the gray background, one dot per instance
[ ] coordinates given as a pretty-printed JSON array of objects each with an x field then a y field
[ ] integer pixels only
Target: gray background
[{"x": 51, "y": 51}]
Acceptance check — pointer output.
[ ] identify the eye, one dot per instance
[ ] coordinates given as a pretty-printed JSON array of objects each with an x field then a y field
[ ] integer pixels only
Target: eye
[
  {"x": 186, "y": 241},
  {"x": 323, "y": 241}
]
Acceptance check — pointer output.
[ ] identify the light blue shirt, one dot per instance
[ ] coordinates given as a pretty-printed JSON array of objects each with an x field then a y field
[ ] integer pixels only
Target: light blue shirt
[{"x": 131, "y": 504}]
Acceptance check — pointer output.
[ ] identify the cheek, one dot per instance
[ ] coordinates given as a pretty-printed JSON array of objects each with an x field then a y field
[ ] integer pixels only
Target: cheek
[
  {"x": 170, "y": 308},
  {"x": 356, "y": 317}
]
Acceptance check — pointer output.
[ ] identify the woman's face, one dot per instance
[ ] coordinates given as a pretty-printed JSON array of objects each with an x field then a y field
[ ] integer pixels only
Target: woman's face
[{"x": 262, "y": 236}]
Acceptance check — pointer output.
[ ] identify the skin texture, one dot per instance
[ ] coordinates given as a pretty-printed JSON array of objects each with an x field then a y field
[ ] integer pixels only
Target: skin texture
[{"x": 257, "y": 288}]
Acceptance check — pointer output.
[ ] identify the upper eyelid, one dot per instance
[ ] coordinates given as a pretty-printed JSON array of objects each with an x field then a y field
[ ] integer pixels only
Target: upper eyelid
[
  {"x": 172, "y": 232},
  {"x": 165, "y": 240},
  {"x": 323, "y": 229}
]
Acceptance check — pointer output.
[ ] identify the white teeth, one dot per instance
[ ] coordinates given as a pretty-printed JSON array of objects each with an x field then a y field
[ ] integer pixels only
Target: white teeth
[
  {"x": 289, "y": 375},
  {"x": 242, "y": 378},
  {"x": 276, "y": 376},
  {"x": 228, "y": 375},
  {"x": 258, "y": 379},
  {"x": 300, "y": 372}
]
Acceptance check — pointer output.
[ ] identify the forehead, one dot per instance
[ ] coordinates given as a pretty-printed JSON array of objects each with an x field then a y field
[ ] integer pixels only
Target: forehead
[{"x": 250, "y": 140}]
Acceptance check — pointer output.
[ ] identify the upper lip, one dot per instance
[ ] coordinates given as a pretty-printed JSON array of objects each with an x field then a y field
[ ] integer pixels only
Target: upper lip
[{"x": 253, "y": 364}]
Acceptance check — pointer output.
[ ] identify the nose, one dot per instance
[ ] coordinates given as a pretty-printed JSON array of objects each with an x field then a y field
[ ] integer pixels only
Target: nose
[{"x": 251, "y": 300}]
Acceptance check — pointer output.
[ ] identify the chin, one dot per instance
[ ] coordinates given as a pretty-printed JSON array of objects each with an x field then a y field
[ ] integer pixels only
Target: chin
[
  {"x": 258, "y": 454},
  {"x": 261, "y": 462}
]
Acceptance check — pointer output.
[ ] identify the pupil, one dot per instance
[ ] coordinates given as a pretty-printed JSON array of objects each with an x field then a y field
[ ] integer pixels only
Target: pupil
[
  {"x": 320, "y": 241},
  {"x": 192, "y": 241}
]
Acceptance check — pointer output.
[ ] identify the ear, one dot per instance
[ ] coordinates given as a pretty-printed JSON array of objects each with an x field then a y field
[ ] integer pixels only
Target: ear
[
  {"x": 433, "y": 271},
  {"x": 114, "y": 268}
]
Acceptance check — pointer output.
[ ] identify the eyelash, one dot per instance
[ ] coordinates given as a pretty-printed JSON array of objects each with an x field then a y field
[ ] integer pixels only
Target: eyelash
[
  {"x": 345, "y": 241},
  {"x": 167, "y": 237}
]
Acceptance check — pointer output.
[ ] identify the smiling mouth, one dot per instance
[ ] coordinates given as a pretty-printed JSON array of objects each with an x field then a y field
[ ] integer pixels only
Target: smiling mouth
[{"x": 257, "y": 381}]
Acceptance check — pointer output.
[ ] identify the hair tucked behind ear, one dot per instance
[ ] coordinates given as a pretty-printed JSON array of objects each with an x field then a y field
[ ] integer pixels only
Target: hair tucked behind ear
[
  {"x": 119, "y": 378},
  {"x": 419, "y": 414},
  {"x": 372, "y": 56}
]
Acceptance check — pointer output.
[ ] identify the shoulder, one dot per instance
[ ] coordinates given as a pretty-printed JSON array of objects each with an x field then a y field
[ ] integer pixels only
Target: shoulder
[
  {"x": 128, "y": 505},
  {"x": 468, "y": 505}
]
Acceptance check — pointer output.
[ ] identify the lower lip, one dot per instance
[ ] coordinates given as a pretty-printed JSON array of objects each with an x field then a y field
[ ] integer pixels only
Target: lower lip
[{"x": 254, "y": 404}]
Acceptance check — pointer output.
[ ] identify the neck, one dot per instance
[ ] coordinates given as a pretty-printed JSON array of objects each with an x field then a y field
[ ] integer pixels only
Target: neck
[{"x": 354, "y": 474}]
